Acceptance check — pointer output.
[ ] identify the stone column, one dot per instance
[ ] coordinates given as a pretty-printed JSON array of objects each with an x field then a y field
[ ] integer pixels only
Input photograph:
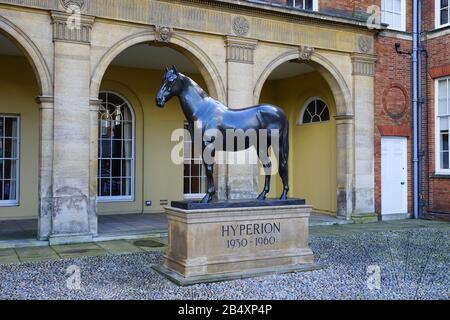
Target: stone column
[
  {"x": 363, "y": 93},
  {"x": 345, "y": 167},
  {"x": 95, "y": 106},
  {"x": 45, "y": 167},
  {"x": 72, "y": 209},
  {"x": 242, "y": 179}
]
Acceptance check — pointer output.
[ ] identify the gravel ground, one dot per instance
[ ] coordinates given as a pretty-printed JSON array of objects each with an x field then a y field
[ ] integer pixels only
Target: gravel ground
[{"x": 414, "y": 264}]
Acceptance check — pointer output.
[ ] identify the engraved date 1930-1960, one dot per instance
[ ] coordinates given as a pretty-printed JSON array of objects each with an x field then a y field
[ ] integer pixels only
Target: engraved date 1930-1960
[{"x": 250, "y": 235}]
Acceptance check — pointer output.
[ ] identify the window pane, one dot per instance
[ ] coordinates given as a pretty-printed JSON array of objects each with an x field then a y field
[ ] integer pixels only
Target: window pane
[
  {"x": 10, "y": 127},
  {"x": 116, "y": 187},
  {"x": 444, "y": 124},
  {"x": 1, "y": 126},
  {"x": 444, "y": 16},
  {"x": 389, "y": 5},
  {"x": 105, "y": 148},
  {"x": 126, "y": 168},
  {"x": 117, "y": 148},
  {"x": 326, "y": 115},
  {"x": 1, "y": 169},
  {"x": 2, "y": 149},
  {"x": 9, "y": 169},
  {"x": 444, "y": 3},
  {"x": 128, "y": 149},
  {"x": 10, "y": 148},
  {"x": 187, "y": 190},
  {"x": 126, "y": 187},
  {"x": 397, "y": 6},
  {"x": 444, "y": 142},
  {"x": 105, "y": 188},
  {"x": 116, "y": 168},
  {"x": 195, "y": 185},
  {"x": 309, "y": 4},
  {"x": 445, "y": 160},
  {"x": 105, "y": 168},
  {"x": 9, "y": 190}
]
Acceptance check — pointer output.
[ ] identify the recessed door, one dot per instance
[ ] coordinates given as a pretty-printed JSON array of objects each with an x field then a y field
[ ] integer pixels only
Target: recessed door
[{"x": 394, "y": 175}]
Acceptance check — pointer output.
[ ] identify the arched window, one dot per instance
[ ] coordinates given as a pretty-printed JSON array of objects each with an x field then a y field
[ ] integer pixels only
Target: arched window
[
  {"x": 116, "y": 149},
  {"x": 315, "y": 111}
]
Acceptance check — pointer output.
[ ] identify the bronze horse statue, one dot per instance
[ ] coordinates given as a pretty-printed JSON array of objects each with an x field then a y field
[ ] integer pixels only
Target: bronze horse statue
[{"x": 199, "y": 107}]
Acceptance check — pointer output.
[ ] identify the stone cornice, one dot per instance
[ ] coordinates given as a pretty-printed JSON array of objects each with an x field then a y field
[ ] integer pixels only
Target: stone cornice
[
  {"x": 79, "y": 32},
  {"x": 226, "y": 17}
]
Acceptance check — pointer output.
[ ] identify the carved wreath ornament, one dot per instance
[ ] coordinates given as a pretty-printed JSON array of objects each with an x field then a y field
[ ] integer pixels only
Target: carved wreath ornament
[
  {"x": 70, "y": 4},
  {"x": 241, "y": 26}
]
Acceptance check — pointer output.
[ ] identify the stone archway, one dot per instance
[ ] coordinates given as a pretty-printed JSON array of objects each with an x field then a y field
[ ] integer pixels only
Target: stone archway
[
  {"x": 204, "y": 64},
  {"x": 32, "y": 53},
  {"x": 344, "y": 120},
  {"x": 45, "y": 89}
]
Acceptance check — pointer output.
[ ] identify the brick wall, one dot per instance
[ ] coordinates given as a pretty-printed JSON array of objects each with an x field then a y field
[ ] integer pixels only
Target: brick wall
[
  {"x": 392, "y": 104},
  {"x": 436, "y": 188}
]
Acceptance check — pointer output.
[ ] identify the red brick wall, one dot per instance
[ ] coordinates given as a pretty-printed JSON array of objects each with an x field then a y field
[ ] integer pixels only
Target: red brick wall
[
  {"x": 392, "y": 103},
  {"x": 437, "y": 188}
]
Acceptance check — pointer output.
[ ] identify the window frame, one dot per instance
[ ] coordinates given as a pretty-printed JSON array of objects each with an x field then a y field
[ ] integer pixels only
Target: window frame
[
  {"x": 315, "y": 5},
  {"x": 112, "y": 199},
  {"x": 403, "y": 15},
  {"x": 15, "y": 202},
  {"x": 306, "y": 105},
  {"x": 437, "y": 15},
  {"x": 437, "y": 124}
]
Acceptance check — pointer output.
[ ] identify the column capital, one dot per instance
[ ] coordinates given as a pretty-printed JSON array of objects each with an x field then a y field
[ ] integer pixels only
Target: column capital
[
  {"x": 74, "y": 27},
  {"x": 44, "y": 102},
  {"x": 363, "y": 64},
  {"x": 240, "y": 49},
  {"x": 95, "y": 104}
]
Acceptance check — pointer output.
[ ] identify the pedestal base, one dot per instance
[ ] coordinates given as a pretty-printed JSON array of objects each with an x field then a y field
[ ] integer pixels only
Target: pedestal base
[{"x": 209, "y": 245}]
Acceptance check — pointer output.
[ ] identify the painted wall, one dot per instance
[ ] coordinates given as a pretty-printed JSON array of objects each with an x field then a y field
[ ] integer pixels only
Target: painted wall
[
  {"x": 156, "y": 176},
  {"x": 18, "y": 90},
  {"x": 313, "y": 146}
]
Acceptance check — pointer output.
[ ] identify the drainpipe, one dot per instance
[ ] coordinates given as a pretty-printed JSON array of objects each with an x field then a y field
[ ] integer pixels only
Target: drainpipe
[{"x": 415, "y": 106}]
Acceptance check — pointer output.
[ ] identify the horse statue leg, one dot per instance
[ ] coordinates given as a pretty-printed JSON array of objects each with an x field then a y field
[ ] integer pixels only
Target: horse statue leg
[
  {"x": 267, "y": 164},
  {"x": 209, "y": 166},
  {"x": 283, "y": 160}
]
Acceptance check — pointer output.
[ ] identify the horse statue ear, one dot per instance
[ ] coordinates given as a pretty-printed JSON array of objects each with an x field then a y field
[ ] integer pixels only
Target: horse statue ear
[
  {"x": 167, "y": 69},
  {"x": 175, "y": 70}
]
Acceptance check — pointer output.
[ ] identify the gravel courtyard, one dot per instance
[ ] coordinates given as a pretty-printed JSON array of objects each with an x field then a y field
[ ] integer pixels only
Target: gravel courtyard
[{"x": 414, "y": 264}]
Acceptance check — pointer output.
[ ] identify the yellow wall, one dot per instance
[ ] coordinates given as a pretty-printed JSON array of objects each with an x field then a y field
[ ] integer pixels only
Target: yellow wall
[
  {"x": 18, "y": 90},
  {"x": 156, "y": 177},
  {"x": 313, "y": 146}
]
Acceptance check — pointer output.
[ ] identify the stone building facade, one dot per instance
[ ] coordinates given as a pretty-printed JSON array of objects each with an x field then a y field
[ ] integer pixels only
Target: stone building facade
[{"x": 340, "y": 80}]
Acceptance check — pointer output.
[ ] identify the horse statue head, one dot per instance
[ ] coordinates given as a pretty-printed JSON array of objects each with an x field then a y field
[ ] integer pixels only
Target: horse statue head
[{"x": 171, "y": 86}]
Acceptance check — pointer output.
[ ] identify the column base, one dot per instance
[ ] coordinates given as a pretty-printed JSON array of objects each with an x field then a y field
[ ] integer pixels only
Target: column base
[
  {"x": 61, "y": 239},
  {"x": 359, "y": 218}
]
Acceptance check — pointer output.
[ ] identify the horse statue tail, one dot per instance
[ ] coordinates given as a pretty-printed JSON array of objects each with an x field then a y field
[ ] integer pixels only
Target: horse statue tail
[{"x": 284, "y": 145}]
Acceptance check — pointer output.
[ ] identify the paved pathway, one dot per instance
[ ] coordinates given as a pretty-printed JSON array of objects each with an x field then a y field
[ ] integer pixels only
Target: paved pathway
[{"x": 413, "y": 258}]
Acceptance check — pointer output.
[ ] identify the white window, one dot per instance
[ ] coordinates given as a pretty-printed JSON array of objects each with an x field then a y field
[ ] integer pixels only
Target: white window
[
  {"x": 9, "y": 160},
  {"x": 194, "y": 170},
  {"x": 393, "y": 13},
  {"x": 304, "y": 4},
  {"x": 442, "y": 13},
  {"x": 116, "y": 149},
  {"x": 442, "y": 125},
  {"x": 315, "y": 110}
]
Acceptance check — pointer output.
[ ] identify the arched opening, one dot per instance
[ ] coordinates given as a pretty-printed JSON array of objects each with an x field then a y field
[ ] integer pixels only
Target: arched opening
[
  {"x": 308, "y": 100},
  {"x": 19, "y": 141},
  {"x": 134, "y": 77}
]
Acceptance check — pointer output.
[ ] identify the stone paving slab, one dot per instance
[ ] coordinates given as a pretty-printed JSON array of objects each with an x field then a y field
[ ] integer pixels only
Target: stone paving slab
[{"x": 119, "y": 247}]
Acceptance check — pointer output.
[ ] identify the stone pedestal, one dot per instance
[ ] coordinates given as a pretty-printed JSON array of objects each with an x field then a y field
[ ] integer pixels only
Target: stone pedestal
[{"x": 208, "y": 245}]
